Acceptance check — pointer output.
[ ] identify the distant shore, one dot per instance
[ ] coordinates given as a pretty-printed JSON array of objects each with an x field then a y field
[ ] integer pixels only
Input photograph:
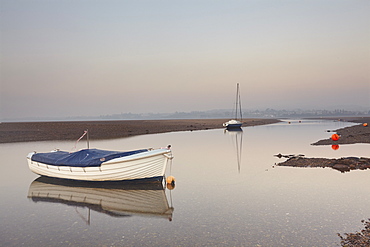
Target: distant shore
[{"x": 99, "y": 130}]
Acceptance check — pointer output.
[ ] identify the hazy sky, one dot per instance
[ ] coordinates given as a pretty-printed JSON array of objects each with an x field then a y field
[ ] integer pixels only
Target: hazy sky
[{"x": 93, "y": 57}]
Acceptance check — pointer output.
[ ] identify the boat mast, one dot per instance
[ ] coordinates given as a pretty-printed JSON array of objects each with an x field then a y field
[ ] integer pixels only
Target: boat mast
[{"x": 238, "y": 104}]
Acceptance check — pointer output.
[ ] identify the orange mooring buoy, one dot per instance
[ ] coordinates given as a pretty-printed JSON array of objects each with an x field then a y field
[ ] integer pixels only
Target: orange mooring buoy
[
  {"x": 335, "y": 137},
  {"x": 365, "y": 124},
  {"x": 170, "y": 180}
]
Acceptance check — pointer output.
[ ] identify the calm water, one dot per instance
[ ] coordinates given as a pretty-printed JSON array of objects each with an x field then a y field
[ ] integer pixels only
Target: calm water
[{"x": 228, "y": 193}]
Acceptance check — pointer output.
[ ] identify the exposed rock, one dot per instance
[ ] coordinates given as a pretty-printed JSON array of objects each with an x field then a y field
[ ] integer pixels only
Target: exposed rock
[
  {"x": 357, "y": 239},
  {"x": 342, "y": 164}
]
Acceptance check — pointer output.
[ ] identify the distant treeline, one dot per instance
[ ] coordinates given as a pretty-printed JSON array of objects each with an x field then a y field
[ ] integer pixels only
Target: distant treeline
[
  {"x": 267, "y": 113},
  {"x": 211, "y": 114}
]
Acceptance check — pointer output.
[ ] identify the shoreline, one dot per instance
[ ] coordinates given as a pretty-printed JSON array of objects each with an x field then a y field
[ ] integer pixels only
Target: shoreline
[{"x": 11, "y": 132}]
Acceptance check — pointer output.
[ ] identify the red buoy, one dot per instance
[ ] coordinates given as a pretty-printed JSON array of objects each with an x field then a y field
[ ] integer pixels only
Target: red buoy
[{"x": 335, "y": 137}]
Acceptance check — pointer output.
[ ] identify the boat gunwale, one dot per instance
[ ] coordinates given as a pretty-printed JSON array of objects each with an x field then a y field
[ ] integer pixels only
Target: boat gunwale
[{"x": 144, "y": 155}]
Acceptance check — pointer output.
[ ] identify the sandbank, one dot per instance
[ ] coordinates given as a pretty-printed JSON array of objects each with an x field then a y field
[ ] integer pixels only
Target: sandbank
[{"x": 98, "y": 130}]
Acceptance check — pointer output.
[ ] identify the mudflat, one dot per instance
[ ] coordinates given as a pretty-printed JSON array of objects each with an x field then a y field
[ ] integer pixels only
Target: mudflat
[
  {"x": 98, "y": 130},
  {"x": 350, "y": 135}
]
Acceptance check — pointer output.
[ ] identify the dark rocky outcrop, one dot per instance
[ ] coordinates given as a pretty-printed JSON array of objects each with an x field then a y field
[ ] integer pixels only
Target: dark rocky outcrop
[{"x": 345, "y": 164}]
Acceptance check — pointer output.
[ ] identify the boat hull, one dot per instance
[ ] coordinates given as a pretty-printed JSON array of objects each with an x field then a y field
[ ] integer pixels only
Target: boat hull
[
  {"x": 147, "y": 165},
  {"x": 233, "y": 124}
]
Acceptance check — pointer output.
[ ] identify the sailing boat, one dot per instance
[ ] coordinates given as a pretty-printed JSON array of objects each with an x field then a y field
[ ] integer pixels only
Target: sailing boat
[{"x": 237, "y": 122}]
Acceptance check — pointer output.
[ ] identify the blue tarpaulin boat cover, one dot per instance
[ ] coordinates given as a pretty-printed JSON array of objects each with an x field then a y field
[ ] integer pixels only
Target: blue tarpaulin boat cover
[{"x": 82, "y": 158}]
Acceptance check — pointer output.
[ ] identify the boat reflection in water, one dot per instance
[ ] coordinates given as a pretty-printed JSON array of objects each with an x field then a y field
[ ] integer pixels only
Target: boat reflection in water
[
  {"x": 237, "y": 135},
  {"x": 117, "y": 199}
]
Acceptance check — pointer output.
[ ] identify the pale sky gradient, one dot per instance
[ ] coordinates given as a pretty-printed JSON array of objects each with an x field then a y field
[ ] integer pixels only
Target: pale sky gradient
[{"x": 89, "y": 58}]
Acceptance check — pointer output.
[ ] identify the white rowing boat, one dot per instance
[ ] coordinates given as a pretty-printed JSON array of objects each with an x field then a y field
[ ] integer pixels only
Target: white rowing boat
[{"x": 102, "y": 165}]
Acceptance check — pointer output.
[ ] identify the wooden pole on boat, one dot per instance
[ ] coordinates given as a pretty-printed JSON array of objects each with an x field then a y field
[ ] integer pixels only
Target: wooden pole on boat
[{"x": 87, "y": 134}]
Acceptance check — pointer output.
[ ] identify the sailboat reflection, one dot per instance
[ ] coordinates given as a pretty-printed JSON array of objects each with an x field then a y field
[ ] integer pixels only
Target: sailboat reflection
[
  {"x": 116, "y": 199},
  {"x": 237, "y": 134}
]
